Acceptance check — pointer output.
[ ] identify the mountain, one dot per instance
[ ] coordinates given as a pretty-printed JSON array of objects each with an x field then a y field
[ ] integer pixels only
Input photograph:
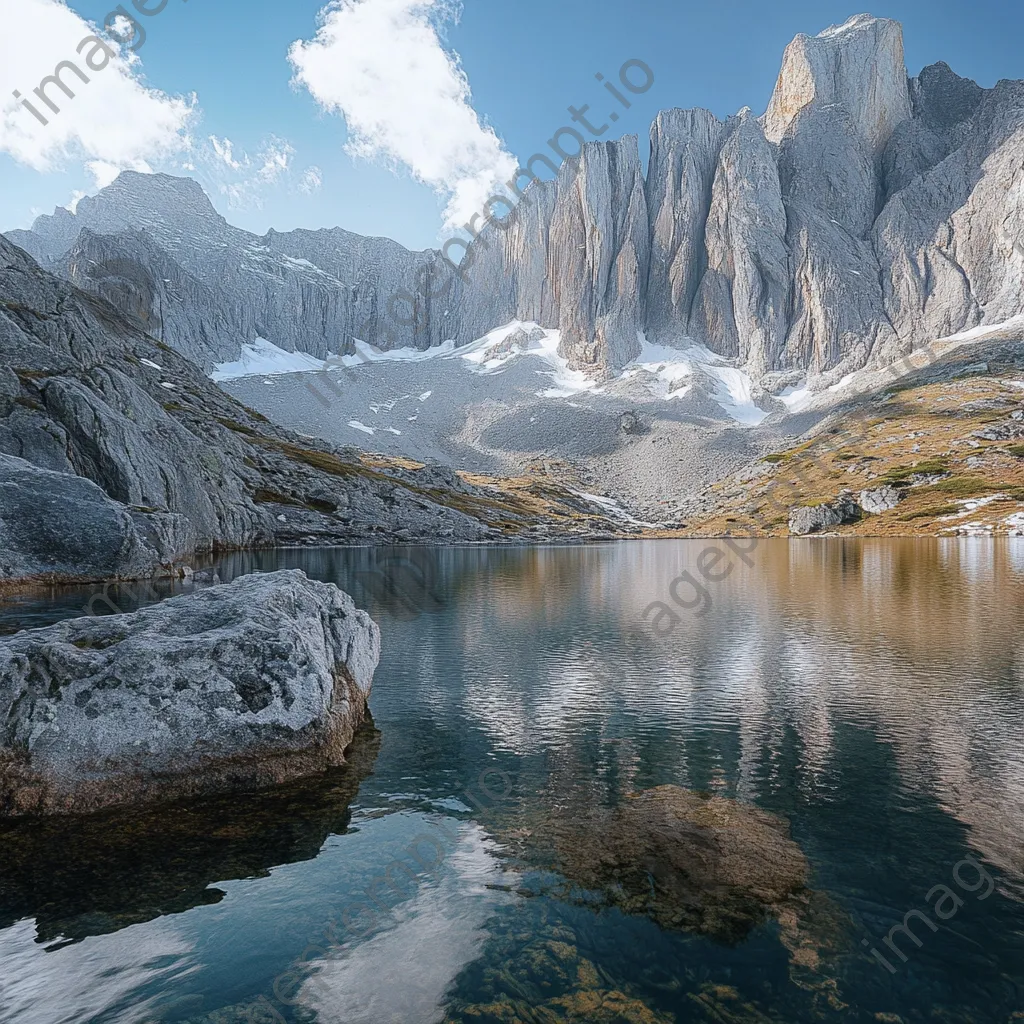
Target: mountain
[
  {"x": 862, "y": 215},
  {"x": 119, "y": 458},
  {"x": 304, "y": 290}
]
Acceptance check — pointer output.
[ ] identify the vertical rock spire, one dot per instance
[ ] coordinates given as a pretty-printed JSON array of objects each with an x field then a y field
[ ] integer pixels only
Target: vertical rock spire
[{"x": 858, "y": 66}]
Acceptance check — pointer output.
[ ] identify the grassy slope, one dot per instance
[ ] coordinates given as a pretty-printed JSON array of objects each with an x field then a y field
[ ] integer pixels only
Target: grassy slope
[{"x": 922, "y": 429}]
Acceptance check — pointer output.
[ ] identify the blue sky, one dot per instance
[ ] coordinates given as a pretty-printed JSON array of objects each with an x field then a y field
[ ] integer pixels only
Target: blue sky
[{"x": 525, "y": 63}]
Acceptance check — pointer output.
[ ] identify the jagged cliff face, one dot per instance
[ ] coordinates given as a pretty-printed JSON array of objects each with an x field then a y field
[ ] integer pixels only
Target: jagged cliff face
[
  {"x": 575, "y": 254},
  {"x": 863, "y": 214},
  {"x": 310, "y": 291},
  {"x": 118, "y": 456}
]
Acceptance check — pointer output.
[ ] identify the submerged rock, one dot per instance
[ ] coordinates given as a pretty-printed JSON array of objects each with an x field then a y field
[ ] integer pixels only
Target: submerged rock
[
  {"x": 702, "y": 864},
  {"x": 230, "y": 688}
]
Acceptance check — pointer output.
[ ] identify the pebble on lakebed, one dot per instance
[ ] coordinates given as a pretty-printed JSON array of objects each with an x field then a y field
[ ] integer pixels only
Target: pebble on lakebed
[{"x": 235, "y": 687}]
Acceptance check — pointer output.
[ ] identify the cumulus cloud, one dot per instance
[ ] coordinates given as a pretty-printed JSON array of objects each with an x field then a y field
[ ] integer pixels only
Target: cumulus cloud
[
  {"x": 115, "y": 120},
  {"x": 405, "y": 99}
]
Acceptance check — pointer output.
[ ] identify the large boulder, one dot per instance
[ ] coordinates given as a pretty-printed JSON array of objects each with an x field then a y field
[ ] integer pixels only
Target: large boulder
[
  {"x": 815, "y": 518},
  {"x": 235, "y": 687},
  {"x": 61, "y": 528}
]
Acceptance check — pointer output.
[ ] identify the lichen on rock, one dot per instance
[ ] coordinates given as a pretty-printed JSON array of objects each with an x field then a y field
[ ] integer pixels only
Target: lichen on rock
[{"x": 230, "y": 688}]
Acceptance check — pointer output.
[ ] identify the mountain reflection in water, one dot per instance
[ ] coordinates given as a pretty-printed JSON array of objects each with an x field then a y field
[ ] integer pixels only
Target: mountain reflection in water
[{"x": 866, "y": 694}]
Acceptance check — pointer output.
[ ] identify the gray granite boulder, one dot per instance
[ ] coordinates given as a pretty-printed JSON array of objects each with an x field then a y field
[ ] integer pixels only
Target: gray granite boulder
[
  {"x": 815, "y": 518},
  {"x": 60, "y": 528},
  {"x": 231, "y": 688},
  {"x": 879, "y": 500}
]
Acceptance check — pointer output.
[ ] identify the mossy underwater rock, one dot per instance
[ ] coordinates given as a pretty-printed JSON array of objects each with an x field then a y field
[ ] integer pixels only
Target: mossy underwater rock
[
  {"x": 549, "y": 982},
  {"x": 695, "y": 863}
]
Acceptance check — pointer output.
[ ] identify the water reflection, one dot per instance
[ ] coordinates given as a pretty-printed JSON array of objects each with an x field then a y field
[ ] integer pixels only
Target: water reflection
[
  {"x": 77, "y": 877},
  {"x": 868, "y": 693}
]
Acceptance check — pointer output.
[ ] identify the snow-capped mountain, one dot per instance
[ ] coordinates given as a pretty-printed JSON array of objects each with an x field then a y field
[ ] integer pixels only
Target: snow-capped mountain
[{"x": 863, "y": 214}]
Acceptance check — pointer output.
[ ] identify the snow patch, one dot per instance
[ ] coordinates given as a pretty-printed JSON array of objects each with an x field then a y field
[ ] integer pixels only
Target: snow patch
[
  {"x": 262, "y": 358},
  {"x": 795, "y": 398},
  {"x": 366, "y": 353},
  {"x": 970, "y": 505},
  {"x": 612, "y": 508},
  {"x": 669, "y": 366},
  {"x": 485, "y": 355},
  {"x": 356, "y": 425},
  {"x": 734, "y": 389}
]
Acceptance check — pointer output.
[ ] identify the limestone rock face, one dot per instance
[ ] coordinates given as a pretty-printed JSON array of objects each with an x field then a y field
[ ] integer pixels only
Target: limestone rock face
[
  {"x": 684, "y": 155},
  {"x": 573, "y": 255},
  {"x": 505, "y": 273},
  {"x": 950, "y": 242},
  {"x": 742, "y": 305},
  {"x": 599, "y": 253},
  {"x": 135, "y": 275},
  {"x": 858, "y": 66},
  {"x": 59, "y": 528},
  {"x": 831, "y": 187},
  {"x": 230, "y": 688}
]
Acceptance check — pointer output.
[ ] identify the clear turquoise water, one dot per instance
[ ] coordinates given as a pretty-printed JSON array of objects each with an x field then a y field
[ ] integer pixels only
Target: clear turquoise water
[{"x": 869, "y": 692}]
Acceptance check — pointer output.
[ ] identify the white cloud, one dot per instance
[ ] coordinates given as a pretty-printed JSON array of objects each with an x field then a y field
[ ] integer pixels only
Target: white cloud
[
  {"x": 242, "y": 178},
  {"x": 311, "y": 180},
  {"x": 114, "y": 120},
  {"x": 405, "y": 99},
  {"x": 276, "y": 158},
  {"x": 103, "y": 172},
  {"x": 223, "y": 148}
]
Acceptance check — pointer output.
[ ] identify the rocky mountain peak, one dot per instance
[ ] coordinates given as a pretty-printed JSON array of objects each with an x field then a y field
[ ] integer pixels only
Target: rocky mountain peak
[
  {"x": 184, "y": 195},
  {"x": 942, "y": 97},
  {"x": 841, "y": 228},
  {"x": 171, "y": 209},
  {"x": 858, "y": 65}
]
